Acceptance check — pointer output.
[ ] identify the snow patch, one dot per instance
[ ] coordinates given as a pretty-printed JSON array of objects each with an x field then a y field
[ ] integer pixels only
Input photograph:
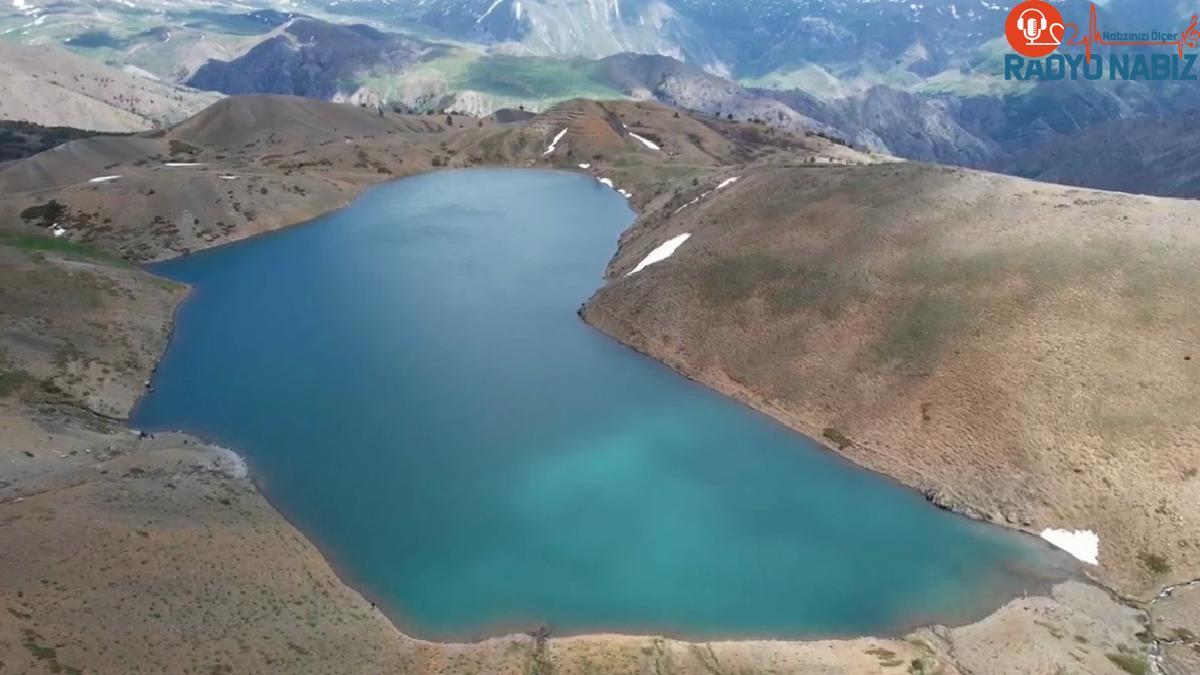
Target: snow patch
[
  {"x": 103, "y": 179},
  {"x": 585, "y": 166},
  {"x": 554, "y": 143},
  {"x": 227, "y": 176},
  {"x": 493, "y": 6},
  {"x": 183, "y": 164},
  {"x": 58, "y": 230},
  {"x": 1083, "y": 544},
  {"x": 646, "y": 141},
  {"x": 665, "y": 250},
  {"x": 725, "y": 183}
]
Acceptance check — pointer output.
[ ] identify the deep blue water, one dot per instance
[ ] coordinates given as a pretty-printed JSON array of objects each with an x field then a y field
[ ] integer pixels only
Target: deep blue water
[{"x": 413, "y": 388}]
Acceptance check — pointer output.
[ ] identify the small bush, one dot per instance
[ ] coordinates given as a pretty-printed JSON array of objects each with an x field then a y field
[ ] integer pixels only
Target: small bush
[
  {"x": 841, "y": 440},
  {"x": 1155, "y": 562}
]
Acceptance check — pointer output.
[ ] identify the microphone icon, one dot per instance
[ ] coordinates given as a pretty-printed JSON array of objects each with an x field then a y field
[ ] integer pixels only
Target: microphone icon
[{"x": 1032, "y": 28}]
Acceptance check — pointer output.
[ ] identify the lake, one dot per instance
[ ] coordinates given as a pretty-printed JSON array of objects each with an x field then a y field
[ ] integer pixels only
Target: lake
[{"x": 411, "y": 386}]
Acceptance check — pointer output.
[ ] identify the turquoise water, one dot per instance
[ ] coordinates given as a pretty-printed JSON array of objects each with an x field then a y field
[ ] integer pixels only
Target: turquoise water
[{"x": 412, "y": 387}]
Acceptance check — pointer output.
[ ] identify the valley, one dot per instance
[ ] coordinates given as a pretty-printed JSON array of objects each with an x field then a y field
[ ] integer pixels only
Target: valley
[
  {"x": 844, "y": 285},
  {"x": 838, "y": 224}
]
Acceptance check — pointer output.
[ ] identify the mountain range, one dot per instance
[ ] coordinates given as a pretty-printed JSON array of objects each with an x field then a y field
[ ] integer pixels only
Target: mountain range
[{"x": 921, "y": 81}]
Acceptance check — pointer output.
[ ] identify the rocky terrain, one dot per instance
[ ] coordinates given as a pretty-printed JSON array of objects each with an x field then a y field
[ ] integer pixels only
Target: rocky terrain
[
  {"x": 59, "y": 89},
  {"x": 311, "y": 58},
  {"x": 933, "y": 324},
  {"x": 1145, "y": 154}
]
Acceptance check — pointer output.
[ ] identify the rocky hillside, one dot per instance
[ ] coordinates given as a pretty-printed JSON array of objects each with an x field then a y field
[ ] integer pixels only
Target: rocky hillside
[
  {"x": 52, "y": 87},
  {"x": 1154, "y": 154},
  {"x": 251, "y": 164}
]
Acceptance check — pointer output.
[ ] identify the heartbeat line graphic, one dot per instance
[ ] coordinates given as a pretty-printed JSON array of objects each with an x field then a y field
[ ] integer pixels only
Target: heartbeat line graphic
[{"x": 1189, "y": 38}]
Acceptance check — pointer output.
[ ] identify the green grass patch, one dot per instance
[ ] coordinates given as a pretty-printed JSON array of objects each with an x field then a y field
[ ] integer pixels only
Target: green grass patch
[
  {"x": 1130, "y": 663},
  {"x": 919, "y": 329},
  {"x": 536, "y": 78},
  {"x": 35, "y": 243},
  {"x": 827, "y": 290},
  {"x": 732, "y": 279},
  {"x": 509, "y": 81}
]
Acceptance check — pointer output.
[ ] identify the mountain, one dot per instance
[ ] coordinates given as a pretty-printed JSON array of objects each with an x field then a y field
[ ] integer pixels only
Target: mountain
[
  {"x": 311, "y": 58},
  {"x": 165, "y": 40},
  {"x": 741, "y": 39},
  {"x": 1149, "y": 154},
  {"x": 672, "y": 82},
  {"x": 57, "y": 88}
]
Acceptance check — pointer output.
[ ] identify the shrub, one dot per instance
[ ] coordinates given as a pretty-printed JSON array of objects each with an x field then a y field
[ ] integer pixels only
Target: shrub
[
  {"x": 1129, "y": 663},
  {"x": 1155, "y": 562},
  {"x": 48, "y": 213}
]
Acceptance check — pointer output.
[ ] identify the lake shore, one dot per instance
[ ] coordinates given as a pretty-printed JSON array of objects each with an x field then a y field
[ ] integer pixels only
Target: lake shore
[{"x": 192, "y": 532}]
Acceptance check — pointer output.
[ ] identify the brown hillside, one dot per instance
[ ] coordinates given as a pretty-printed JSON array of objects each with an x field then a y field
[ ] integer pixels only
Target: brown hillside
[
  {"x": 58, "y": 88},
  {"x": 1027, "y": 353},
  {"x": 257, "y": 163}
]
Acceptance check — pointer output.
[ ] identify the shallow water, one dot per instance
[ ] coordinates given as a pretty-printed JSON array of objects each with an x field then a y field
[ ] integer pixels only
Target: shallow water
[{"x": 410, "y": 382}]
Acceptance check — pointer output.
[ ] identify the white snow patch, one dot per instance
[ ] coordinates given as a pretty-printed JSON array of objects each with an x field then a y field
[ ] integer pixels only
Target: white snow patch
[
  {"x": 103, "y": 179},
  {"x": 606, "y": 181},
  {"x": 1083, "y": 544},
  {"x": 727, "y": 182},
  {"x": 20, "y": 4},
  {"x": 183, "y": 164},
  {"x": 646, "y": 141},
  {"x": 58, "y": 230},
  {"x": 665, "y": 250},
  {"x": 227, "y": 176},
  {"x": 585, "y": 166},
  {"x": 493, "y": 6},
  {"x": 554, "y": 143}
]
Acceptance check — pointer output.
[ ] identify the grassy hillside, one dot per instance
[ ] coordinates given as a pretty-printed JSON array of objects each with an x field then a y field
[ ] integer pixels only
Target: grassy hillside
[
  {"x": 502, "y": 81},
  {"x": 1026, "y": 353}
]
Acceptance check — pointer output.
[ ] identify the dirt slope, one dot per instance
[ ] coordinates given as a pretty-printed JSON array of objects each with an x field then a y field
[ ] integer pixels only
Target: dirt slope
[{"x": 58, "y": 88}]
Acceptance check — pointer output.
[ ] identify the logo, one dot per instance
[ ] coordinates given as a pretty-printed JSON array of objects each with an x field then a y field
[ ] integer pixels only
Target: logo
[{"x": 1034, "y": 28}]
